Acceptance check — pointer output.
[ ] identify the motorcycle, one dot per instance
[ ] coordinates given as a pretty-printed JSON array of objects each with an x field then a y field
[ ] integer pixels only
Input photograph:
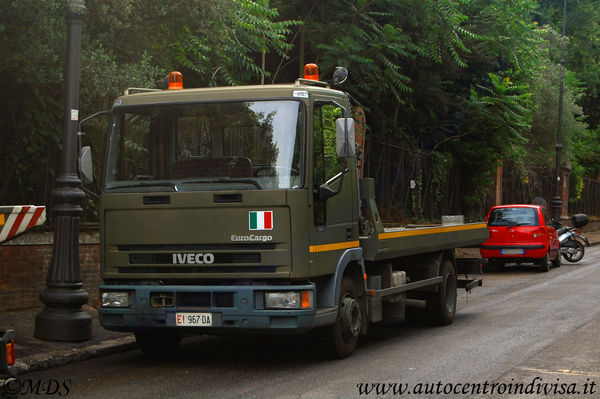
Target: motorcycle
[{"x": 571, "y": 241}]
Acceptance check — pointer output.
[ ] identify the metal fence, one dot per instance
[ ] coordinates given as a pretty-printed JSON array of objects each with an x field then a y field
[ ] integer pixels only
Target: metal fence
[
  {"x": 588, "y": 201},
  {"x": 410, "y": 189}
]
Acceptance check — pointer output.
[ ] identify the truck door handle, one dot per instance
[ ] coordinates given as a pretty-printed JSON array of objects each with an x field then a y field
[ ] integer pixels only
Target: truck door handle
[{"x": 349, "y": 233}]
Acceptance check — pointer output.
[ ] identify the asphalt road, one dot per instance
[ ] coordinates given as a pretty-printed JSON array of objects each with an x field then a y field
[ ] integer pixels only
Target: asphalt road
[{"x": 522, "y": 327}]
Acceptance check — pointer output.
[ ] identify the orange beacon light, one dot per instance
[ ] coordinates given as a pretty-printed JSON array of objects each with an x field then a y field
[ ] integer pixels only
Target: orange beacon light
[
  {"x": 175, "y": 81},
  {"x": 311, "y": 72}
]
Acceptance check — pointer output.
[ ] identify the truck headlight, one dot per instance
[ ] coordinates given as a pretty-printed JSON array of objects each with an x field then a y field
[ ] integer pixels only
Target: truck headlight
[
  {"x": 114, "y": 299},
  {"x": 289, "y": 300}
]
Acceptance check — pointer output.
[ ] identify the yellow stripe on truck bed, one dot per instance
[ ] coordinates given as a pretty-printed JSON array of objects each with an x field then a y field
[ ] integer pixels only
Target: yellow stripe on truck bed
[
  {"x": 430, "y": 230},
  {"x": 333, "y": 247}
]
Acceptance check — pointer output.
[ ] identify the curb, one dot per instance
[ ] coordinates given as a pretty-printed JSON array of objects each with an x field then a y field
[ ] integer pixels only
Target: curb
[{"x": 62, "y": 357}]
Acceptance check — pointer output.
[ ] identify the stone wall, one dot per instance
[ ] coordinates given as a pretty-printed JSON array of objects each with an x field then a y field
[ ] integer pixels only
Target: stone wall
[{"x": 24, "y": 264}]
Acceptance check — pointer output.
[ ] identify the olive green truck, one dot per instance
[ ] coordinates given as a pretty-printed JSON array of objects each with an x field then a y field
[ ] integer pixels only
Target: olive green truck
[{"x": 241, "y": 209}]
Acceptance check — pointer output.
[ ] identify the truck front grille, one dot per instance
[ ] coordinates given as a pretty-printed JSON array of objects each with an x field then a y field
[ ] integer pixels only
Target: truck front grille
[
  {"x": 219, "y": 258},
  {"x": 199, "y": 259},
  {"x": 197, "y": 269},
  {"x": 192, "y": 299}
]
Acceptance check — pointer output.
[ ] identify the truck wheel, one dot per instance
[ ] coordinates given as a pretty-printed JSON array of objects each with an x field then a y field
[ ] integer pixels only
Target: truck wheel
[
  {"x": 158, "y": 343},
  {"x": 545, "y": 262},
  {"x": 441, "y": 305},
  {"x": 346, "y": 328}
]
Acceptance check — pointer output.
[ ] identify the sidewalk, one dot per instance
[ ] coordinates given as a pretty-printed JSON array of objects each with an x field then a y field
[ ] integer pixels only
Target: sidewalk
[{"x": 34, "y": 354}]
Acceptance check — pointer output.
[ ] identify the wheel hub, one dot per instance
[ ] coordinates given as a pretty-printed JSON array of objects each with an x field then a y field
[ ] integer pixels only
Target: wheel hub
[{"x": 351, "y": 317}]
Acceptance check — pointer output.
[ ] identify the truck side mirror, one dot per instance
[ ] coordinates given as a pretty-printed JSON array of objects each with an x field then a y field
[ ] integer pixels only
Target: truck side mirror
[
  {"x": 325, "y": 191},
  {"x": 86, "y": 170},
  {"x": 344, "y": 137}
]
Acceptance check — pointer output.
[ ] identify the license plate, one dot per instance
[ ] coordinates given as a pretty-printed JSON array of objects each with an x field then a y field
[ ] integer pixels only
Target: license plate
[
  {"x": 194, "y": 319},
  {"x": 513, "y": 251}
]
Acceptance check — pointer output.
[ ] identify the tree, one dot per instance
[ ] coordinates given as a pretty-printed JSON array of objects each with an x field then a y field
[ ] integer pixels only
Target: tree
[
  {"x": 583, "y": 49},
  {"x": 125, "y": 43},
  {"x": 31, "y": 106}
]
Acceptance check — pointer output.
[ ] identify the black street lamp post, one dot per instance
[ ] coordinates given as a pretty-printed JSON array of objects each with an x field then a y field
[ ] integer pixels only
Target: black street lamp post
[
  {"x": 63, "y": 319},
  {"x": 556, "y": 201}
]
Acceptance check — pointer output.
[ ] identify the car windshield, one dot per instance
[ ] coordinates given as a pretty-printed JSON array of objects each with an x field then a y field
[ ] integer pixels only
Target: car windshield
[
  {"x": 206, "y": 146},
  {"x": 514, "y": 217}
]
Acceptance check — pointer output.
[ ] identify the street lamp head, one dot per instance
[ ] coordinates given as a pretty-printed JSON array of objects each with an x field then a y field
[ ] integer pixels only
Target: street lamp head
[{"x": 76, "y": 7}]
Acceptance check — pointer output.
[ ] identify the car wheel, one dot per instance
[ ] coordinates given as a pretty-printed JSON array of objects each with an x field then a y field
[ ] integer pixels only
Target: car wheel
[
  {"x": 493, "y": 264},
  {"x": 556, "y": 262},
  {"x": 497, "y": 264},
  {"x": 545, "y": 262}
]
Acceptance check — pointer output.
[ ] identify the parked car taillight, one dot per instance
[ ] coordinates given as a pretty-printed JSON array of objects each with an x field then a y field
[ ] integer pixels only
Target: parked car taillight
[{"x": 539, "y": 233}]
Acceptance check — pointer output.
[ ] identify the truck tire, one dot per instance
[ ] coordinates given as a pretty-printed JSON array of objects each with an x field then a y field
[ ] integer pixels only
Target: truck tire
[
  {"x": 441, "y": 305},
  {"x": 158, "y": 343},
  {"x": 344, "y": 332}
]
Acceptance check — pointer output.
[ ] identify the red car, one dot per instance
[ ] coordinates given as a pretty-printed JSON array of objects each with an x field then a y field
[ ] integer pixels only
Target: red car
[{"x": 521, "y": 234}]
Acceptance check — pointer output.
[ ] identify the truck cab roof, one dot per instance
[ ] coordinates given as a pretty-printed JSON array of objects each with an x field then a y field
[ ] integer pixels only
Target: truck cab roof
[{"x": 226, "y": 93}]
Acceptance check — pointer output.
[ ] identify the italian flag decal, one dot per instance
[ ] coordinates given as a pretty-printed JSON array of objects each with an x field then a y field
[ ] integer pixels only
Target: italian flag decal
[{"x": 261, "y": 220}]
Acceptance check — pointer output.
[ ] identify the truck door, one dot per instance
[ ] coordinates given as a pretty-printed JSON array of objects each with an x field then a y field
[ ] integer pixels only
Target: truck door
[{"x": 335, "y": 227}]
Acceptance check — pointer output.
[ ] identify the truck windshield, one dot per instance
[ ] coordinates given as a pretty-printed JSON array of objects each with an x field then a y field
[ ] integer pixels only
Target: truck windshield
[{"x": 206, "y": 146}]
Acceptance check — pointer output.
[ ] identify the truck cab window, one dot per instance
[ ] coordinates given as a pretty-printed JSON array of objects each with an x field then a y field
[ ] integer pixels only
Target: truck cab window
[
  {"x": 133, "y": 147},
  {"x": 326, "y": 162},
  {"x": 207, "y": 146},
  {"x": 193, "y": 137}
]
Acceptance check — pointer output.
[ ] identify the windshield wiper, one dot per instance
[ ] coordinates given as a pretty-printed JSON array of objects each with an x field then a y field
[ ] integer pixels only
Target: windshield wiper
[
  {"x": 158, "y": 184},
  {"x": 225, "y": 180},
  {"x": 519, "y": 224}
]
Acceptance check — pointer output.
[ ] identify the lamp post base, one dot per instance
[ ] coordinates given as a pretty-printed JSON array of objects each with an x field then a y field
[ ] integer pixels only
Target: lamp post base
[{"x": 64, "y": 323}]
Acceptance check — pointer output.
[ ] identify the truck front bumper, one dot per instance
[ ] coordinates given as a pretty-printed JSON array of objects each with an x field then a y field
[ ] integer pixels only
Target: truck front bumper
[{"x": 240, "y": 308}]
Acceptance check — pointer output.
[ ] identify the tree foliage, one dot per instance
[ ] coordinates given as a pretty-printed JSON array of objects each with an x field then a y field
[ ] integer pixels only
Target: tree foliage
[
  {"x": 465, "y": 84},
  {"x": 126, "y": 43}
]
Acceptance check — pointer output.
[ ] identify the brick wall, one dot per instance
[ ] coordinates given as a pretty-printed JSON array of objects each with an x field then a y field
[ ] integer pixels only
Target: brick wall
[{"x": 24, "y": 264}]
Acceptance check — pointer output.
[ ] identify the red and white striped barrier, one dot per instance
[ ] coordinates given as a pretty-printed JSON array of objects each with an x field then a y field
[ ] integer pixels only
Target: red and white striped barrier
[{"x": 18, "y": 218}]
